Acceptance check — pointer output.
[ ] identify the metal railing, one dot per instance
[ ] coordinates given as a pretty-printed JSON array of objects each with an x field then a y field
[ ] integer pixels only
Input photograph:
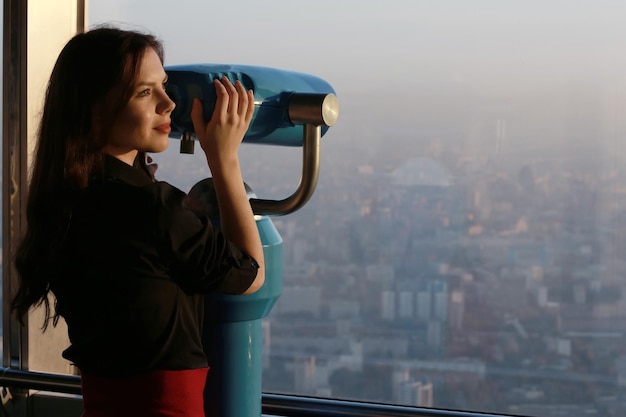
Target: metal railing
[
  {"x": 68, "y": 384},
  {"x": 272, "y": 404},
  {"x": 292, "y": 406}
]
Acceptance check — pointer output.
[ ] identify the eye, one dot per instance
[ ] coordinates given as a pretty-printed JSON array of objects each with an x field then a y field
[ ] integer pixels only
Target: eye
[{"x": 144, "y": 93}]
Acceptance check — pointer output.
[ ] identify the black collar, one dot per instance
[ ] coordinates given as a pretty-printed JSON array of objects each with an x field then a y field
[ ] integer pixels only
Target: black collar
[{"x": 118, "y": 170}]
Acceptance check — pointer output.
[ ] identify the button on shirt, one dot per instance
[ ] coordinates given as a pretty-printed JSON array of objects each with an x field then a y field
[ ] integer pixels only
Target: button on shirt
[{"x": 132, "y": 268}]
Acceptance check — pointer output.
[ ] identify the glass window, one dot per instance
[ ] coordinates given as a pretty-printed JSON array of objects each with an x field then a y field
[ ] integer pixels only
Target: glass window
[{"x": 464, "y": 247}]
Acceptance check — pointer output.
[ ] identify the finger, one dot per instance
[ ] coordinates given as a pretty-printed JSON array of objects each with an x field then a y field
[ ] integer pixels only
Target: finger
[
  {"x": 197, "y": 116},
  {"x": 222, "y": 101},
  {"x": 233, "y": 103},
  {"x": 250, "y": 108},
  {"x": 243, "y": 98}
]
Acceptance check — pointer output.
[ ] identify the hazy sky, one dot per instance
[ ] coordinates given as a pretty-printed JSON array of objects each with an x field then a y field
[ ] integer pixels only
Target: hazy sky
[
  {"x": 395, "y": 63},
  {"x": 359, "y": 44}
]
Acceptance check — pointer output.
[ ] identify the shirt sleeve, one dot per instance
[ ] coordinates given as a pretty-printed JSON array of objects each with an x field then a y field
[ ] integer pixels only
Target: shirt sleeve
[{"x": 202, "y": 259}]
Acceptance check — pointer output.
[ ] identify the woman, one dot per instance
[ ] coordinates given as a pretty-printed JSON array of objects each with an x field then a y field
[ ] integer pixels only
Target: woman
[{"x": 119, "y": 253}]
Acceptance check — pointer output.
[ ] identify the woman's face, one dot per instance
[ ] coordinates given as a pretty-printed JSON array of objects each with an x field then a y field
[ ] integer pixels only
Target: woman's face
[{"x": 144, "y": 123}]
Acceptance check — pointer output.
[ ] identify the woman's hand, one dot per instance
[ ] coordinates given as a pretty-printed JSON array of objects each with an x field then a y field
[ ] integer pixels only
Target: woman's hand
[
  {"x": 221, "y": 136},
  {"x": 220, "y": 140}
]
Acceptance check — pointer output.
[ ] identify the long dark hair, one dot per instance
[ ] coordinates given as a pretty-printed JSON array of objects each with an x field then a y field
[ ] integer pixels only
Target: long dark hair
[{"x": 91, "y": 82}]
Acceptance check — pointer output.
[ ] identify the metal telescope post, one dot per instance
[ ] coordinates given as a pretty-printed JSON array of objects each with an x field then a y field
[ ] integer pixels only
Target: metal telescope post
[{"x": 232, "y": 333}]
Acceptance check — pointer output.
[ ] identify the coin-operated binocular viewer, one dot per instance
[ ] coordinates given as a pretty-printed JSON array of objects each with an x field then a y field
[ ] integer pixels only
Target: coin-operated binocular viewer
[{"x": 291, "y": 109}]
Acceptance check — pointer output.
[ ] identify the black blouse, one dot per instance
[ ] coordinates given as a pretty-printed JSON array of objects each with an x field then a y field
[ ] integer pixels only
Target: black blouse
[{"x": 133, "y": 266}]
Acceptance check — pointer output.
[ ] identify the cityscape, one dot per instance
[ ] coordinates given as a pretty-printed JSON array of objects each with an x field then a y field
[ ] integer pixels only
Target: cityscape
[
  {"x": 464, "y": 247},
  {"x": 451, "y": 264},
  {"x": 485, "y": 276}
]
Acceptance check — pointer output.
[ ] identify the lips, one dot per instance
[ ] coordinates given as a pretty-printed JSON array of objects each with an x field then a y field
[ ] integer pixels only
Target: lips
[{"x": 164, "y": 128}]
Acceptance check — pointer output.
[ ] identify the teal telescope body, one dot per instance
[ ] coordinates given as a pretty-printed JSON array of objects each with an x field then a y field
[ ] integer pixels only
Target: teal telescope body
[
  {"x": 232, "y": 335},
  {"x": 273, "y": 89},
  {"x": 291, "y": 109}
]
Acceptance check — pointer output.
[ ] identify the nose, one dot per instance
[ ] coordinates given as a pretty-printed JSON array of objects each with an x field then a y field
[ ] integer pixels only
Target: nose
[{"x": 166, "y": 105}]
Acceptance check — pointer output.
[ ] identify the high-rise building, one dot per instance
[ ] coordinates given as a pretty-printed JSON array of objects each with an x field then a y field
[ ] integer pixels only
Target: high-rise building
[
  {"x": 415, "y": 393},
  {"x": 405, "y": 304},
  {"x": 304, "y": 374},
  {"x": 423, "y": 305},
  {"x": 388, "y": 305},
  {"x": 456, "y": 310}
]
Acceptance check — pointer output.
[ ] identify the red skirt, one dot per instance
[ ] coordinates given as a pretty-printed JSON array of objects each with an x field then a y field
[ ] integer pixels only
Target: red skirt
[{"x": 154, "y": 394}]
